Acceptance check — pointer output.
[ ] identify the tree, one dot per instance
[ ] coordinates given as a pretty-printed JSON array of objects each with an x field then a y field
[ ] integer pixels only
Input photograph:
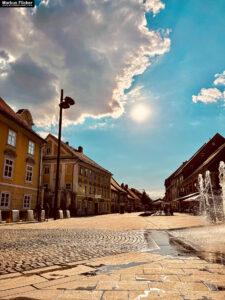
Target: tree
[{"x": 146, "y": 201}]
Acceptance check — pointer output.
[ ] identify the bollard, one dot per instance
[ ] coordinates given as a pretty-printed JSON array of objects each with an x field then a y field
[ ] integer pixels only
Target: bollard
[
  {"x": 42, "y": 215},
  {"x": 15, "y": 216},
  {"x": 67, "y": 214},
  {"x": 30, "y": 215},
  {"x": 60, "y": 214}
]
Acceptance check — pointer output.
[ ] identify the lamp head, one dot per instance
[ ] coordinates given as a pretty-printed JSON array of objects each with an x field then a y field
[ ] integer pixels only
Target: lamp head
[
  {"x": 69, "y": 100},
  {"x": 64, "y": 105}
]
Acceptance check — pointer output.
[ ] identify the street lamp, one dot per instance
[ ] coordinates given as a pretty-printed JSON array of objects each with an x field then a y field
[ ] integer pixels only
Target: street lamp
[{"x": 64, "y": 104}]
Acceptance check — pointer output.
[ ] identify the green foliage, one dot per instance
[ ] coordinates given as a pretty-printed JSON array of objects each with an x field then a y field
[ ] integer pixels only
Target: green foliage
[{"x": 146, "y": 200}]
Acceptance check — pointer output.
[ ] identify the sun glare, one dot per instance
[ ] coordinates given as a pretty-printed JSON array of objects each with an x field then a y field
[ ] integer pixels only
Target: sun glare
[{"x": 140, "y": 113}]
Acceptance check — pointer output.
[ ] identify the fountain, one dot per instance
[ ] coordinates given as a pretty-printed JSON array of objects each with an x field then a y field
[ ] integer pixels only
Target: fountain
[
  {"x": 208, "y": 241},
  {"x": 222, "y": 183},
  {"x": 202, "y": 206},
  {"x": 212, "y": 205}
]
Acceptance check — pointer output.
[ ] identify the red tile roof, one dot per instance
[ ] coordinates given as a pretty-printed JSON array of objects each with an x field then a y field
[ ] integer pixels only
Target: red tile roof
[
  {"x": 133, "y": 195},
  {"x": 79, "y": 155},
  {"x": 184, "y": 164},
  {"x": 116, "y": 186},
  {"x": 6, "y": 110},
  {"x": 208, "y": 160}
]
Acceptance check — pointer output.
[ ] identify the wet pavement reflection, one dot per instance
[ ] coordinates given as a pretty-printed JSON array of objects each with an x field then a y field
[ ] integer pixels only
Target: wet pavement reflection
[{"x": 171, "y": 243}]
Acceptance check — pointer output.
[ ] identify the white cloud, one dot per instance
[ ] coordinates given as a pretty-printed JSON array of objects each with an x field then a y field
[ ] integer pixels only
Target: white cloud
[
  {"x": 93, "y": 50},
  {"x": 220, "y": 79},
  {"x": 136, "y": 94},
  {"x": 97, "y": 125},
  {"x": 155, "y": 194},
  {"x": 101, "y": 125},
  {"x": 211, "y": 95},
  {"x": 43, "y": 134},
  {"x": 207, "y": 95},
  {"x": 154, "y": 5}
]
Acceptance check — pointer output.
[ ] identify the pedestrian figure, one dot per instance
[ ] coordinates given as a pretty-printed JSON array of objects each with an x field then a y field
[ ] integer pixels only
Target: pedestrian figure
[
  {"x": 39, "y": 209},
  {"x": 46, "y": 207},
  {"x": 171, "y": 211},
  {"x": 165, "y": 210}
]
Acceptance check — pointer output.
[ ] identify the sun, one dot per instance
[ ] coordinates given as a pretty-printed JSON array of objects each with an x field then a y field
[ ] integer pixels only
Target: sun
[{"x": 140, "y": 113}]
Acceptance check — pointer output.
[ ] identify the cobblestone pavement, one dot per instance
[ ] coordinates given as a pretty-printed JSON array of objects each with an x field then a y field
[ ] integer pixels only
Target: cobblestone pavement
[
  {"x": 27, "y": 249},
  {"x": 126, "y": 276},
  {"x": 59, "y": 260}
]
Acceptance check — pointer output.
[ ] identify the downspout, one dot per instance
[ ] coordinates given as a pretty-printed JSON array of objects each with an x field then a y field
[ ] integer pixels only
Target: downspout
[
  {"x": 39, "y": 174},
  {"x": 74, "y": 193}
]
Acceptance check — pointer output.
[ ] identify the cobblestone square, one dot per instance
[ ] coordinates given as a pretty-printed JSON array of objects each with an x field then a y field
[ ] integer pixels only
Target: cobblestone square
[{"x": 105, "y": 257}]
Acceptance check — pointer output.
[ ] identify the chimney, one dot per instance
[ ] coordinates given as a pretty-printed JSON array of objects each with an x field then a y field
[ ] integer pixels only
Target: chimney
[
  {"x": 67, "y": 143},
  {"x": 122, "y": 185},
  {"x": 80, "y": 149},
  {"x": 126, "y": 186}
]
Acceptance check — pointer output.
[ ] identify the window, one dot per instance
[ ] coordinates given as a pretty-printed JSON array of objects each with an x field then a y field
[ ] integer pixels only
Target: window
[
  {"x": 89, "y": 189},
  {"x": 8, "y": 168},
  {"x": 69, "y": 169},
  {"x": 85, "y": 189},
  {"x": 89, "y": 205},
  {"x": 90, "y": 173},
  {"x": 26, "y": 201},
  {"x": 48, "y": 150},
  {"x": 86, "y": 172},
  {"x": 29, "y": 173},
  {"x": 81, "y": 171},
  {"x": 79, "y": 205},
  {"x": 12, "y": 138},
  {"x": 46, "y": 170},
  {"x": 4, "y": 201},
  {"x": 31, "y": 148},
  {"x": 46, "y": 186},
  {"x": 68, "y": 186}
]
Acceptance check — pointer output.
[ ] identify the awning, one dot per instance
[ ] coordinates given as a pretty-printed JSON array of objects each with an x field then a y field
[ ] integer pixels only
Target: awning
[
  {"x": 186, "y": 197},
  {"x": 158, "y": 202},
  {"x": 193, "y": 198}
]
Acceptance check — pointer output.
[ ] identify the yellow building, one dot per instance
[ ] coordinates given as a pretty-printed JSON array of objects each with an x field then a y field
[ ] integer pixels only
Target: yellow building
[
  {"x": 84, "y": 186},
  {"x": 20, "y": 160}
]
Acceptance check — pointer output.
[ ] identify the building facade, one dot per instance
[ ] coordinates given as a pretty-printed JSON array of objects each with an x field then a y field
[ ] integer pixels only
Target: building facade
[
  {"x": 118, "y": 197},
  {"x": 184, "y": 181},
  {"x": 133, "y": 201},
  {"x": 139, "y": 205},
  {"x": 84, "y": 186},
  {"x": 20, "y": 161}
]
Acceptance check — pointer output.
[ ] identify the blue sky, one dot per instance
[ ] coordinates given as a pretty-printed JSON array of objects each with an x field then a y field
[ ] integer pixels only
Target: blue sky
[
  {"x": 102, "y": 65},
  {"x": 144, "y": 155}
]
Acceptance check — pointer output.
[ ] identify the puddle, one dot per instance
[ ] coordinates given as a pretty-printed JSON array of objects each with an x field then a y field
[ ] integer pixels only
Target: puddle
[
  {"x": 109, "y": 268},
  {"x": 166, "y": 244},
  {"x": 206, "y": 241},
  {"x": 176, "y": 246}
]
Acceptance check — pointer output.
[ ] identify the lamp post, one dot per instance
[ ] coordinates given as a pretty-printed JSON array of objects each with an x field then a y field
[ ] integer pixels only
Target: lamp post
[{"x": 64, "y": 104}]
